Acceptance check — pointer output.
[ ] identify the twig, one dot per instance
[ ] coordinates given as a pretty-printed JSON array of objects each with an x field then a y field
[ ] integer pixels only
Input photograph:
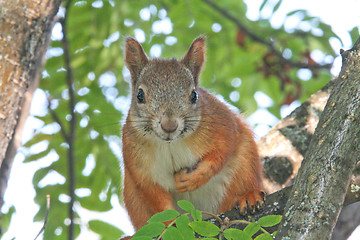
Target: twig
[
  {"x": 46, "y": 216},
  {"x": 261, "y": 40},
  {"x": 214, "y": 216},
  {"x": 246, "y": 222},
  {"x": 72, "y": 123},
  {"x": 58, "y": 121}
]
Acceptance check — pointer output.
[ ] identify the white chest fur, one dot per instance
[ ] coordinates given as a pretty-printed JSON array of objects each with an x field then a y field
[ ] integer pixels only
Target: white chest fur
[{"x": 172, "y": 157}]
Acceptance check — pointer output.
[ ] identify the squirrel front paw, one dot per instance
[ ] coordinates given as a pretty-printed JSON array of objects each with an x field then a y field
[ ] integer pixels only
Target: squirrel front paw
[
  {"x": 189, "y": 179},
  {"x": 251, "y": 201}
]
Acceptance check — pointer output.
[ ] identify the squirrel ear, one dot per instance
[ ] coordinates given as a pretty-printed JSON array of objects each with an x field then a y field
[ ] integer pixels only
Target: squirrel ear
[
  {"x": 195, "y": 57},
  {"x": 135, "y": 57}
]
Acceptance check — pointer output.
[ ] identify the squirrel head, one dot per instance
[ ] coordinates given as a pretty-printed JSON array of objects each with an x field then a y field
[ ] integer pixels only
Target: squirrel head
[{"x": 165, "y": 101}]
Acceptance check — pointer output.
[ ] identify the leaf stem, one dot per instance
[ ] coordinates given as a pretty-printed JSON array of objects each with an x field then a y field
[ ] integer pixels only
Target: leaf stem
[
  {"x": 246, "y": 222},
  {"x": 214, "y": 216},
  {"x": 166, "y": 227}
]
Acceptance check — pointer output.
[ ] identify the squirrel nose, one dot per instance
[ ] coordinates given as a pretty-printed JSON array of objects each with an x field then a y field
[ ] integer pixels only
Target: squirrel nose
[{"x": 169, "y": 125}]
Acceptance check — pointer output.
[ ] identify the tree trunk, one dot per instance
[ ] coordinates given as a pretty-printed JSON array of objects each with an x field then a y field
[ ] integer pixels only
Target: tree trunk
[
  {"x": 282, "y": 151},
  {"x": 25, "y": 29},
  {"x": 318, "y": 194}
]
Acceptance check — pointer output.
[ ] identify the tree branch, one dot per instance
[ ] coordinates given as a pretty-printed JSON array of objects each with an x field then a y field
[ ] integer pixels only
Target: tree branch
[
  {"x": 269, "y": 44},
  {"x": 275, "y": 204},
  {"x": 320, "y": 188},
  {"x": 46, "y": 216},
  {"x": 72, "y": 124},
  {"x": 58, "y": 121},
  {"x": 282, "y": 149}
]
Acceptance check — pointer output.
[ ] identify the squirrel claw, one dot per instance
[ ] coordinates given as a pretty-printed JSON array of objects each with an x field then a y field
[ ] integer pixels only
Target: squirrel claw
[
  {"x": 258, "y": 205},
  {"x": 243, "y": 211},
  {"x": 250, "y": 202}
]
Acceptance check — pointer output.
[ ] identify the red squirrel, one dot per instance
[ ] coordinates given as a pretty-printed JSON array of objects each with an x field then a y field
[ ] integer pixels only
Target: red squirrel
[{"x": 181, "y": 142}]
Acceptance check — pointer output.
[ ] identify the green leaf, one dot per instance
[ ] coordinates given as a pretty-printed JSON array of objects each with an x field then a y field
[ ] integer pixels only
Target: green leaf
[
  {"x": 252, "y": 228},
  {"x": 150, "y": 230},
  {"x": 263, "y": 5},
  {"x": 196, "y": 214},
  {"x": 164, "y": 216},
  {"x": 186, "y": 205},
  {"x": 354, "y": 34},
  {"x": 236, "y": 234},
  {"x": 270, "y": 220},
  {"x": 37, "y": 156},
  {"x": 106, "y": 230},
  {"x": 173, "y": 233},
  {"x": 37, "y": 138},
  {"x": 277, "y": 6},
  {"x": 6, "y": 219},
  {"x": 205, "y": 229},
  {"x": 182, "y": 223},
  {"x": 264, "y": 236},
  {"x": 142, "y": 238},
  {"x": 303, "y": 12}
]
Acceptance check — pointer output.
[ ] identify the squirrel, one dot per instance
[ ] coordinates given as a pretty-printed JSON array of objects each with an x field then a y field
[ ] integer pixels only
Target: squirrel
[{"x": 181, "y": 142}]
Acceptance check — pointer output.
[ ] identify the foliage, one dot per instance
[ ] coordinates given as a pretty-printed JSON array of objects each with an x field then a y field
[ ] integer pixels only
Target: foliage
[
  {"x": 182, "y": 227},
  {"x": 6, "y": 218},
  {"x": 237, "y": 65}
]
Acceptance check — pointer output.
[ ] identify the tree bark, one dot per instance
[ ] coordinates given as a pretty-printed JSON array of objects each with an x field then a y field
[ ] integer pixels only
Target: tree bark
[
  {"x": 283, "y": 149},
  {"x": 318, "y": 194},
  {"x": 349, "y": 219},
  {"x": 275, "y": 204},
  {"x": 25, "y": 29}
]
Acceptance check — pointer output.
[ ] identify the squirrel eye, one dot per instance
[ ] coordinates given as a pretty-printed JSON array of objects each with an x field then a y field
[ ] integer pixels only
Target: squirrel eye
[
  {"x": 140, "y": 96},
  {"x": 193, "y": 97}
]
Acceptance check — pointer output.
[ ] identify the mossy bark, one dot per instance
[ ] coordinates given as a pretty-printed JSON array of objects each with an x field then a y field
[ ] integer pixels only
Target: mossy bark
[{"x": 323, "y": 179}]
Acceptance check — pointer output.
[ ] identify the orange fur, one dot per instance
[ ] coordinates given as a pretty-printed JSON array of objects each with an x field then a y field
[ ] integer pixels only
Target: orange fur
[
  {"x": 143, "y": 198},
  {"x": 218, "y": 154}
]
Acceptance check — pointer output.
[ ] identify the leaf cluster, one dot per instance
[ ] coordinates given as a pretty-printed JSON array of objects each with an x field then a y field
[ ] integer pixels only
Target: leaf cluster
[{"x": 190, "y": 225}]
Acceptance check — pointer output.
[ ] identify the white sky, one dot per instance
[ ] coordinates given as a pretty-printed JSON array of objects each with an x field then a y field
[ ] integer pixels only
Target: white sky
[{"x": 341, "y": 15}]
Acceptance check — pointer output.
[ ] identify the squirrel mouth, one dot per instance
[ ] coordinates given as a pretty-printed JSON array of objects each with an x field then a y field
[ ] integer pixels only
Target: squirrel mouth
[{"x": 168, "y": 138}]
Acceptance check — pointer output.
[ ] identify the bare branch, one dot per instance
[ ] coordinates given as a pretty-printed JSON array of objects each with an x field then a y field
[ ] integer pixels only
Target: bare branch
[
  {"x": 58, "y": 121},
  {"x": 269, "y": 44},
  {"x": 72, "y": 123}
]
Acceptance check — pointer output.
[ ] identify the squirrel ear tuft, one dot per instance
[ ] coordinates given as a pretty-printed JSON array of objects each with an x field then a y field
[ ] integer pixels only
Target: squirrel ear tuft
[
  {"x": 195, "y": 57},
  {"x": 135, "y": 57}
]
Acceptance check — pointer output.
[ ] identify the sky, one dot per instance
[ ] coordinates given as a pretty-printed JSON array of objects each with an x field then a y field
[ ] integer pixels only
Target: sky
[{"x": 341, "y": 15}]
